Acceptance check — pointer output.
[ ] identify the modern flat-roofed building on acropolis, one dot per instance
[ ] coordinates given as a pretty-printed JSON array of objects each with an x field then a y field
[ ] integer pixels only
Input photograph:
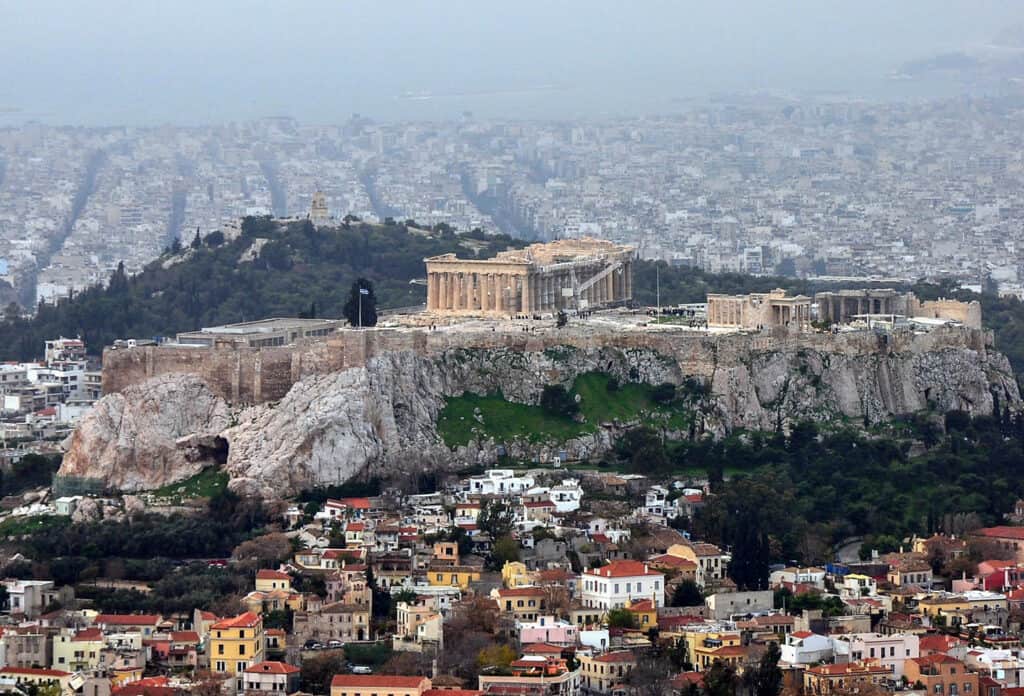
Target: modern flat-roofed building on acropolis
[{"x": 564, "y": 274}]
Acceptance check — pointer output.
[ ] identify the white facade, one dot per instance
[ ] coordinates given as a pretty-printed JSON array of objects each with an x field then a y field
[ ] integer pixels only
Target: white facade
[
  {"x": 567, "y": 495},
  {"x": 806, "y": 648},
  {"x": 890, "y": 650},
  {"x": 613, "y": 585},
  {"x": 498, "y": 482},
  {"x": 796, "y": 576}
]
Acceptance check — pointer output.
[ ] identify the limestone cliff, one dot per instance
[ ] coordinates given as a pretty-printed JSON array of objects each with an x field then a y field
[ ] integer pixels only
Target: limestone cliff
[
  {"x": 380, "y": 415},
  {"x": 147, "y": 436}
]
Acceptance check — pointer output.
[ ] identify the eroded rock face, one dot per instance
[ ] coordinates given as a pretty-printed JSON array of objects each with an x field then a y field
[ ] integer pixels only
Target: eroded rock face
[
  {"x": 381, "y": 418},
  {"x": 128, "y": 440}
]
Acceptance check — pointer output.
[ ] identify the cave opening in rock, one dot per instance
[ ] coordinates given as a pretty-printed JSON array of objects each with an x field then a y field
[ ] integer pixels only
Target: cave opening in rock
[{"x": 217, "y": 451}]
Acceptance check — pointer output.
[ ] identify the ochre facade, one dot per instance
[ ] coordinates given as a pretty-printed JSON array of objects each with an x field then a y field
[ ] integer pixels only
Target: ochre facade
[{"x": 565, "y": 274}]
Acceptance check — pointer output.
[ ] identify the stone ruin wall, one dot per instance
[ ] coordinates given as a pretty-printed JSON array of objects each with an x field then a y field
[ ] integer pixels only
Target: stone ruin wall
[
  {"x": 967, "y": 313},
  {"x": 244, "y": 375}
]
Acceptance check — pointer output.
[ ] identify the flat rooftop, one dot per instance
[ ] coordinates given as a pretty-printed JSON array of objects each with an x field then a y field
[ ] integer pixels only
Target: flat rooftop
[{"x": 264, "y": 326}]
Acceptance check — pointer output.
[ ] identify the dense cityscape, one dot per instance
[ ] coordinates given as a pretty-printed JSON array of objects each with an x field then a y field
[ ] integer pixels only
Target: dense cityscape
[
  {"x": 756, "y": 185},
  {"x": 528, "y": 349}
]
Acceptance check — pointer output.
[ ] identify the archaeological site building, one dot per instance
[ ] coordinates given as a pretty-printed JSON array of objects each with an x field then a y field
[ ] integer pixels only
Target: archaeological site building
[
  {"x": 759, "y": 310},
  {"x": 565, "y": 274}
]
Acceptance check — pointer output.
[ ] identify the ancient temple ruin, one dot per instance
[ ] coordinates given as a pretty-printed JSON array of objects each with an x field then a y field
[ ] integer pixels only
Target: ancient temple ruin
[{"x": 575, "y": 274}]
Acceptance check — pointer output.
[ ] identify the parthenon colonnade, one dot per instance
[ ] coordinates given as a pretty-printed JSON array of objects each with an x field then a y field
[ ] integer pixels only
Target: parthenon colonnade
[{"x": 567, "y": 274}]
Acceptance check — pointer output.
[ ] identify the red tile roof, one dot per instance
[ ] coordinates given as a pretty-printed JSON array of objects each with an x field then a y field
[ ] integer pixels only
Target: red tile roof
[
  {"x": 1002, "y": 532},
  {"x": 934, "y": 659},
  {"x": 542, "y": 649},
  {"x": 521, "y": 592},
  {"x": 89, "y": 634},
  {"x": 619, "y": 656},
  {"x": 848, "y": 668},
  {"x": 184, "y": 636},
  {"x": 272, "y": 575},
  {"x": 357, "y": 503},
  {"x": 35, "y": 672},
  {"x": 672, "y": 561},
  {"x": 642, "y": 605},
  {"x": 371, "y": 680},
  {"x": 244, "y": 620},
  {"x": 622, "y": 569},
  {"x": 271, "y": 667}
]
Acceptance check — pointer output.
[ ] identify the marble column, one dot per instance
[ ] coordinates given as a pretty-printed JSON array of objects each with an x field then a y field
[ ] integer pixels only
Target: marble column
[{"x": 524, "y": 299}]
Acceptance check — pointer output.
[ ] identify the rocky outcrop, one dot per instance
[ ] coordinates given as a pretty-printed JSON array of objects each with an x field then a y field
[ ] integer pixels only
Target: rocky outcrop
[
  {"x": 129, "y": 440},
  {"x": 380, "y": 415}
]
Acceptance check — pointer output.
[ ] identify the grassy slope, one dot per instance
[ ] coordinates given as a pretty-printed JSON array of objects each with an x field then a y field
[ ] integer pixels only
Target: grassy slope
[{"x": 504, "y": 420}]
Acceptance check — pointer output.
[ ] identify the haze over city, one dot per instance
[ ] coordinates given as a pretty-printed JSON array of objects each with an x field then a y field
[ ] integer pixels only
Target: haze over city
[{"x": 114, "y": 63}]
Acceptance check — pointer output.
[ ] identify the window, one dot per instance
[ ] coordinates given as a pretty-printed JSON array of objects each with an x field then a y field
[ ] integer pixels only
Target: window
[
  {"x": 220, "y": 648},
  {"x": 938, "y": 688},
  {"x": 241, "y": 649},
  {"x": 967, "y": 687}
]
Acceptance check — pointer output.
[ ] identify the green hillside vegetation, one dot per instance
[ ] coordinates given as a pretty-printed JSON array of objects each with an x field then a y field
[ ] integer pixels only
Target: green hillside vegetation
[
  {"x": 812, "y": 489},
  {"x": 602, "y": 399},
  {"x": 300, "y": 270}
]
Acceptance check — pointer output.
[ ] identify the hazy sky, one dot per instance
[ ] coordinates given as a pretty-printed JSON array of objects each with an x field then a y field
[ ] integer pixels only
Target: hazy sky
[{"x": 183, "y": 61}]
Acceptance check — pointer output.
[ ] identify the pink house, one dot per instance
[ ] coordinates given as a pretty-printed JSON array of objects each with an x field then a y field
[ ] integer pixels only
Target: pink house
[{"x": 547, "y": 629}]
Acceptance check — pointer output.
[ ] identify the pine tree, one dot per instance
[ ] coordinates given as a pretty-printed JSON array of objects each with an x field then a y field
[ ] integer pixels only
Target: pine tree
[{"x": 368, "y": 304}]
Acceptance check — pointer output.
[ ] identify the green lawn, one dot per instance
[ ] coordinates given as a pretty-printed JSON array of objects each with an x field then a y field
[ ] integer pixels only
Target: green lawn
[
  {"x": 205, "y": 484},
  {"x": 505, "y": 421}
]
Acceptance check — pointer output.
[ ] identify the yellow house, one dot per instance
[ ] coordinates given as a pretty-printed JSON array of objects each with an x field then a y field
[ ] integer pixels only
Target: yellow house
[
  {"x": 453, "y": 576},
  {"x": 382, "y": 685},
  {"x": 599, "y": 674},
  {"x": 521, "y": 603},
  {"x": 702, "y": 646},
  {"x": 645, "y": 613},
  {"x": 235, "y": 644},
  {"x": 956, "y": 609},
  {"x": 514, "y": 574},
  {"x": 270, "y": 580},
  {"x": 77, "y": 651}
]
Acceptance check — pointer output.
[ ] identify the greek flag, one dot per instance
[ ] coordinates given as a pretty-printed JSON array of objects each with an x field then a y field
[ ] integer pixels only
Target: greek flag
[{"x": 364, "y": 291}]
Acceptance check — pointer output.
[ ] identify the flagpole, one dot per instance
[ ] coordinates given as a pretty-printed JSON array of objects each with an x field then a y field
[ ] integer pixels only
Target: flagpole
[{"x": 360, "y": 306}]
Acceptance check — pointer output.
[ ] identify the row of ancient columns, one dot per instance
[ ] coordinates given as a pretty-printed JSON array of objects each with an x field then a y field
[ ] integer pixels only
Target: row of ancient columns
[
  {"x": 791, "y": 314},
  {"x": 472, "y": 292},
  {"x": 725, "y": 311},
  {"x": 841, "y": 309},
  {"x": 510, "y": 293}
]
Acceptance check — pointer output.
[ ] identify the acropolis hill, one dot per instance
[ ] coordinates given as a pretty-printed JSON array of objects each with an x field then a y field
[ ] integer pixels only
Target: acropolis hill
[
  {"x": 322, "y": 409},
  {"x": 286, "y": 404}
]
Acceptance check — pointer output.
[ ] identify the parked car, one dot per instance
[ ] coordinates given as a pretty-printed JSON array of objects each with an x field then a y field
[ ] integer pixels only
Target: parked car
[
  {"x": 361, "y": 669},
  {"x": 334, "y": 644}
]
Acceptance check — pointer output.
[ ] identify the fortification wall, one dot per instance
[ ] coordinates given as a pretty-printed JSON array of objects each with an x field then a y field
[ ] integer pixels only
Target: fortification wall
[
  {"x": 245, "y": 375},
  {"x": 241, "y": 375},
  {"x": 967, "y": 313}
]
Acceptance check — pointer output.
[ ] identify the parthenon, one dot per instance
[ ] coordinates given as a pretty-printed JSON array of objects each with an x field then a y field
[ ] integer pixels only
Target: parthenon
[{"x": 564, "y": 274}]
